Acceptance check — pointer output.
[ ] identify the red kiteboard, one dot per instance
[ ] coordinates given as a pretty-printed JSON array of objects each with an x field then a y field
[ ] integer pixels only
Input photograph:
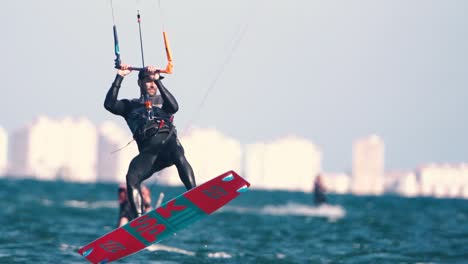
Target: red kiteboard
[{"x": 172, "y": 216}]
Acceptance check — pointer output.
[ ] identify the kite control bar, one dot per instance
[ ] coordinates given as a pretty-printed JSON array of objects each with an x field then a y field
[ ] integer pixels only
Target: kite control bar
[{"x": 169, "y": 66}]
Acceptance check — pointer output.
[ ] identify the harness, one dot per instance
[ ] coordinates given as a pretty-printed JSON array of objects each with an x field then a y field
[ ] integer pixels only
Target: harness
[
  {"x": 156, "y": 121},
  {"x": 153, "y": 127}
]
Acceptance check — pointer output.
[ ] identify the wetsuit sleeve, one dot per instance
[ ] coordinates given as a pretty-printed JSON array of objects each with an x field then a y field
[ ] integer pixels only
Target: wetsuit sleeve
[
  {"x": 117, "y": 107},
  {"x": 170, "y": 105}
]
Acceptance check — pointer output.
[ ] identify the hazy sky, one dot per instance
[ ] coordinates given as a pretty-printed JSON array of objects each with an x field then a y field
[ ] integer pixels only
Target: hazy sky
[{"x": 329, "y": 70}]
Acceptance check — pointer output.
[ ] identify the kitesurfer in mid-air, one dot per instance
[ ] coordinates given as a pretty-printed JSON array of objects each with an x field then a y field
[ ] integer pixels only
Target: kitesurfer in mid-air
[{"x": 150, "y": 120}]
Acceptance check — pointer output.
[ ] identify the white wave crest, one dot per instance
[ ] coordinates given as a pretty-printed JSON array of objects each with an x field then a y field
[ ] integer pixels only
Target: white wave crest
[
  {"x": 91, "y": 205},
  {"x": 46, "y": 202},
  {"x": 223, "y": 255},
  {"x": 332, "y": 212},
  {"x": 159, "y": 247}
]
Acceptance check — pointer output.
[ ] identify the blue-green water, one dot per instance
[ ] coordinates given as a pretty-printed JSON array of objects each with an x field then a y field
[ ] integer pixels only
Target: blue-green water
[{"x": 46, "y": 222}]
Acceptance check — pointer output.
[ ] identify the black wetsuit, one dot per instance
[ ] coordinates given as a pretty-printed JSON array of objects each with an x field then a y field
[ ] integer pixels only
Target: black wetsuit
[
  {"x": 125, "y": 210},
  {"x": 155, "y": 136}
]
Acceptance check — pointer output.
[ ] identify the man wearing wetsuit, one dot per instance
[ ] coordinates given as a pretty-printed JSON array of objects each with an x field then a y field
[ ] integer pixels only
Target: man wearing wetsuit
[
  {"x": 125, "y": 210},
  {"x": 319, "y": 191},
  {"x": 150, "y": 120}
]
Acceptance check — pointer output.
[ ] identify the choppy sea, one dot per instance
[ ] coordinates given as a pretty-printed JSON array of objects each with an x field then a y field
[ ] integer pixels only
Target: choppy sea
[{"x": 46, "y": 222}]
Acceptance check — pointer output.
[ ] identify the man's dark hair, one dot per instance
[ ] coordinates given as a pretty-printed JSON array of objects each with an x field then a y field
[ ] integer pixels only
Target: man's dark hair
[{"x": 143, "y": 74}]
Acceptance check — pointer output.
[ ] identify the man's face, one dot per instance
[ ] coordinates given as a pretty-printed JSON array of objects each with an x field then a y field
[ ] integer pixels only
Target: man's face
[
  {"x": 122, "y": 196},
  {"x": 148, "y": 85}
]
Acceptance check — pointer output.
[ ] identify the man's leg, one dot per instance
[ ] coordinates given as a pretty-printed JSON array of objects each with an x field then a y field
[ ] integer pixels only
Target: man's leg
[
  {"x": 141, "y": 168},
  {"x": 183, "y": 166},
  {"x": 162, "y": 163},
  {"x": 138, "y": 171}
]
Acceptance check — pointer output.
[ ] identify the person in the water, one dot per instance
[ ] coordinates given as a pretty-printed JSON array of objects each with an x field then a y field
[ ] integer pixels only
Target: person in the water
[
  {"x": 124, "y": 204},
  {"x": 319, "y": 191},
  {"x": 150, "y": 120}
]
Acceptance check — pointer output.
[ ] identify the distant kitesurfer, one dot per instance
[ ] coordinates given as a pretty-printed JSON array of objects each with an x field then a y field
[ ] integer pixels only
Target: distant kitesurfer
[
  {"x": 150, "y": 120},
  {"x": 124, "y": 204},
  {"x": 319, "y": 191}
]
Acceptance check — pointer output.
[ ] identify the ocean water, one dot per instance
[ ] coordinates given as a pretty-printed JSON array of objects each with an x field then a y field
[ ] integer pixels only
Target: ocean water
[{"x": 46, "y": 222}]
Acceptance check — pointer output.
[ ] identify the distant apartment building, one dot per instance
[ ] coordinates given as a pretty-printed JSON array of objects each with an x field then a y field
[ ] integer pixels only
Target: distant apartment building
[
  {"x": 209, "y": 152},
  {"x": 49, "y": 149},
  {"x": 254, "y": 164},
  {"x": 114, "y": 152},
  {"x": 463, "y": 172},
  {"x": 444, "y": 180},
  {"x": 403, "y": 183},
  {"x": 289, "y": 163},
  {"x": 368, "y": 166},
  {"x": 3, "y": 151},
  {"x": 339, "y": 183}
]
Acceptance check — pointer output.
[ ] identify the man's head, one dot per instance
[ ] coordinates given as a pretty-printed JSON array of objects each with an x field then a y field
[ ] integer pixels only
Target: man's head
[
  {"x": 122, "y": 192},
  {"x": 146, "y": 82},
  {"x": 319, "y": 178}
]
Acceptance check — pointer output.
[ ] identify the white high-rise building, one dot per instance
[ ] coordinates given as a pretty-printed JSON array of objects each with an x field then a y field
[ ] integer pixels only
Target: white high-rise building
[
  {"x": 443, "y": 180},
  {"x": 81, "y": 143},
  {"x": 289, "y": 163},
  {"x": 114, "y": 155},
  {"x": 336, "y": 182},
  {"x": 402, "y": 182},
  {"x": 209, "y": 152},
  {"x": 368, "y": 166},
  {"x": 464, "y": 175},
  {"x": 3, "y": 151},
  {"x": 254, "y": 164},
  {"x": 49, "y": 149},
  {"x": 37, "y": 149}
]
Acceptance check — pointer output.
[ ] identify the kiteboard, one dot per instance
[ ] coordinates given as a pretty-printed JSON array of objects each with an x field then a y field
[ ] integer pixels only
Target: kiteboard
[{"x": 164, "y": 221}]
